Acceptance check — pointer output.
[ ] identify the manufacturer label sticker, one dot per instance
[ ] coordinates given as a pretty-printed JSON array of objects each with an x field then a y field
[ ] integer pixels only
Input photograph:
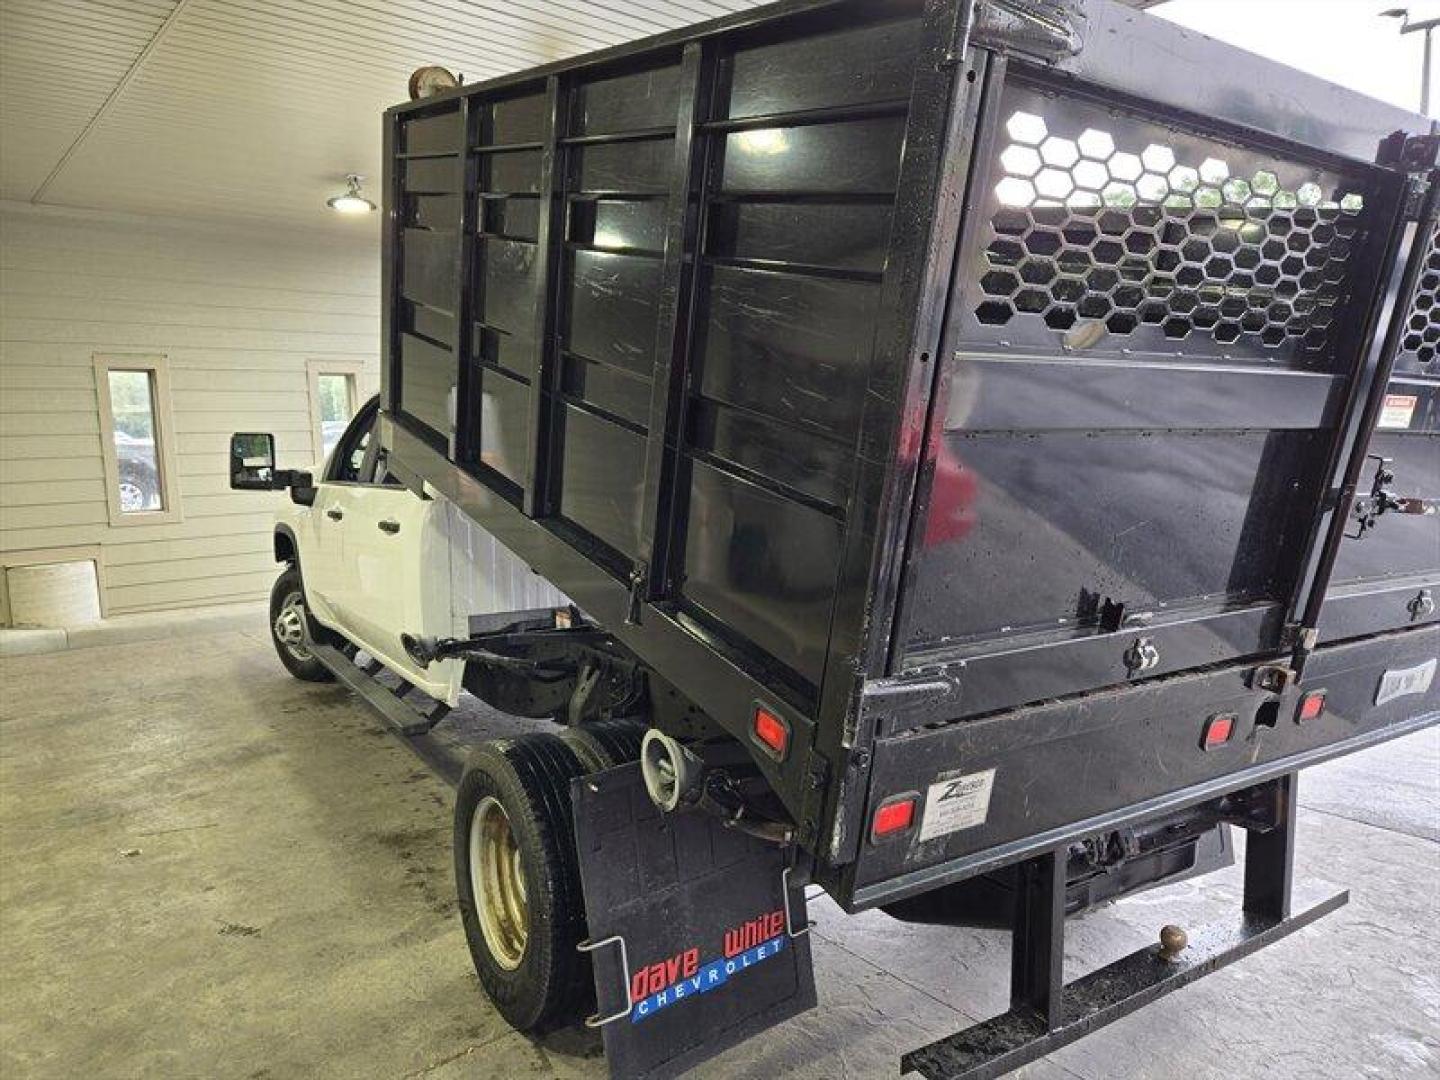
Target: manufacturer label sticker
[
  {"x": 956, "y": 802},
  {"x": 1398, "y": 410},
  {"x": 1404, "y": 681}
]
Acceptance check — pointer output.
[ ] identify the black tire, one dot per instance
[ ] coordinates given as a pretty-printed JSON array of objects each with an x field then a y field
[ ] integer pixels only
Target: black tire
[
  {"x": 294, "y": 653},
  {"x": 545, "y": 983},
  {"x": 605, "y": 743}
]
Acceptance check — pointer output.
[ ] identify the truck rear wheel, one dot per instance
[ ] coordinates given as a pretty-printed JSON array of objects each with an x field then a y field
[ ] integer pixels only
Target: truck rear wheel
[
  {"x": 518, "y": 880},
  {"x": 605, "y": 743},
  {"x": 292, "y": 629}
]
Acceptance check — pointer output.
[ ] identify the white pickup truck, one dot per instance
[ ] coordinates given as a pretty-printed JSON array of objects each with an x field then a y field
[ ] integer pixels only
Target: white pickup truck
[{"x": 366, "y": 559}]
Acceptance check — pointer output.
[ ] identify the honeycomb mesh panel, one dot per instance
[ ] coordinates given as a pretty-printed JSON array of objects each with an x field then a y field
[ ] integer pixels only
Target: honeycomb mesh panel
[
  {"x": 1107, "y": 225},
  {"x": 1420, "y": 343}
]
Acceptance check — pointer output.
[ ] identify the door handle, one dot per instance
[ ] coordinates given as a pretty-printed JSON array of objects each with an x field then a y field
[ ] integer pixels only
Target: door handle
[
  {"x": 389, "y": 525},
  {"x": 335, "y": 513}
]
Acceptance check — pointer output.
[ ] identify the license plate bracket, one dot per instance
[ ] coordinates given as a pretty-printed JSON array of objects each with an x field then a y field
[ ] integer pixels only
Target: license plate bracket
[{"x": 1402, "y": 682}]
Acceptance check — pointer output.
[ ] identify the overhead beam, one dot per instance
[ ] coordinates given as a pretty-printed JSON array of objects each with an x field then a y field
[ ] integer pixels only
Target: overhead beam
[{"x": 134, "y": 69}]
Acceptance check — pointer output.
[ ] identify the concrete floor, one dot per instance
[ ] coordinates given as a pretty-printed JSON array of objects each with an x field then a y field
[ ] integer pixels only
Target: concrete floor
[{"x": 210, "y": 869}]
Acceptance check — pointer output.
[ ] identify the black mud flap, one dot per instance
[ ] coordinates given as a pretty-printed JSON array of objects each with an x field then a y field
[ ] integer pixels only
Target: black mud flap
[{"x": 698, "y": 940}]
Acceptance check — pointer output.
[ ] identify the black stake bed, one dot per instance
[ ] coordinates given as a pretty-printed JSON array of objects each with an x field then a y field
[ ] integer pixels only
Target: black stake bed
[{"x": 988, "y": 393}]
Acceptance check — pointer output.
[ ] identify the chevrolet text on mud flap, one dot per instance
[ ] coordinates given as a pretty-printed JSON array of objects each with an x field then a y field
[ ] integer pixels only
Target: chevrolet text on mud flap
[{"x": 662, "y": 984}]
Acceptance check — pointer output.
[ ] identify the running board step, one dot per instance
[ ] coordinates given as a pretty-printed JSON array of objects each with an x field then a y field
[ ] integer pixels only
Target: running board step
[{"x": 405, "y": 717}]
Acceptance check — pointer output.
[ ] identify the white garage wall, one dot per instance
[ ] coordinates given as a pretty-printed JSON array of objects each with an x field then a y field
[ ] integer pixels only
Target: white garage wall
[{"x": 237, "y": 314}]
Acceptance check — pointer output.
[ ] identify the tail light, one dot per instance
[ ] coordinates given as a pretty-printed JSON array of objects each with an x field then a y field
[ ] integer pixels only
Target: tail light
[
  {"x": 1218, "y": 731},
  {"x": 894, "y": 816},
  {"x": 771, "y": 731},
  {"x": 1311, "y": 706}
]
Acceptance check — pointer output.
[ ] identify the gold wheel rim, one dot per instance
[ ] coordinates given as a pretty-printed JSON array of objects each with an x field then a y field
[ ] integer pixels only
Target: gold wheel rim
[{"x": 497, "y": 882}]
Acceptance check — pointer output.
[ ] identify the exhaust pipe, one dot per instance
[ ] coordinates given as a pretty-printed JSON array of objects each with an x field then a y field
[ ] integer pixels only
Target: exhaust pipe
[
  {"x": 677, "y": 779},
  {"x": 672, "y": 773}
]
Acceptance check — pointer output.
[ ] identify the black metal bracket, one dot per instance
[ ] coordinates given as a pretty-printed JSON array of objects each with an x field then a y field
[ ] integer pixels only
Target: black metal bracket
[
  {"x": 485, "y": 649},
  {"x": 639, "y": 582},
  {"x": 1415, "y": 197},
  {"x": 1047, "y": 1013},
  {"x": 1409, "y": 153},
  {"x": 1382, "y": 500},
  {"x": 1047, "y": 30},
  {"x": 1274, "y": 677}
]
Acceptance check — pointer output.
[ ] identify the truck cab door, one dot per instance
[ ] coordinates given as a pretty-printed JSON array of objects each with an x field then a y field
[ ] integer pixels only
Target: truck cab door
[
  {"x": 392, "y": 566},
  {"x": 318, "y": 540}
]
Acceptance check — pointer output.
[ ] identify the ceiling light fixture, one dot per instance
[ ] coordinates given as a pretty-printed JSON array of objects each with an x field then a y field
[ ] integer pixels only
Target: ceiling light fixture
[
  {"x": 431, "y": 80},
  {"x": 352, "y": 202}
]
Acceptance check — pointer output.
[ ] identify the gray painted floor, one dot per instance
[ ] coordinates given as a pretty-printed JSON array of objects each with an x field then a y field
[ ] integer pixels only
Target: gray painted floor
[{"x": 210, "y": 869}]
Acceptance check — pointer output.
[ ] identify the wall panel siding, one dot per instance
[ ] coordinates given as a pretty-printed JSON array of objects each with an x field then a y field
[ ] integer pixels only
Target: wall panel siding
[
  {"x": 237, "y": 314},
  {"x": 165, "y": 552},
  {"x": 43, "y": 377},
  {"x": 15, "y": 424},
  {"x": 50, "y": 470},
  {"x": 50, "y": 492},
  {"x": 56, "y": 536}
]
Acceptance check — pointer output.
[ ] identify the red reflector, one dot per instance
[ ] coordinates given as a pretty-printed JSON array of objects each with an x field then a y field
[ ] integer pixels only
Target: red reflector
[
  {"x": 893, "y": 817},
  {"x": 1311, "y": 706},
  {"x": 1218, "y": 730},
  {"x": 771, "y": 731}
]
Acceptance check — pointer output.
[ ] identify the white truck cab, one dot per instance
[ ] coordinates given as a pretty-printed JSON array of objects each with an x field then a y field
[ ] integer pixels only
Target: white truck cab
[{"x": 367, "y": 560}]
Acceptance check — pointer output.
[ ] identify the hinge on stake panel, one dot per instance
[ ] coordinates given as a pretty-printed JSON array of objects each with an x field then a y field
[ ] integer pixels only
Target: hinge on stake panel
[
  {"x": 639, "y": 578},
  {"x": 817, "y": 772},
  {"x": 1410, "y": 153},
  {"x": 959, "y": 33},
  {"x": 1047, "y": 30},
  {"x": 1416, "y": 155},
  {"x": 1415, "y": 194},
  {"x": 1275, "y": 677}
]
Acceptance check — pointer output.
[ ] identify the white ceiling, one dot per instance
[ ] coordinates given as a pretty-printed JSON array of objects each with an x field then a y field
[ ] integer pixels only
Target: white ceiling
[{"x": 255, "y": 109}]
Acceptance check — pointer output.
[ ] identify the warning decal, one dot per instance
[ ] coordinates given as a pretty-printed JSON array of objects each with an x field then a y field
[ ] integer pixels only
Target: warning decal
[
  {"x": 956, "y": 802},
  {"x": 1397, "y": 411}
]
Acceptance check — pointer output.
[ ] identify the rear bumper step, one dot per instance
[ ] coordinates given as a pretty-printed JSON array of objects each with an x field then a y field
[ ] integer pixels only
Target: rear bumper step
[
  {"x": 1006, "y": 1042},
  {"x": 1046, "y": 1013}
]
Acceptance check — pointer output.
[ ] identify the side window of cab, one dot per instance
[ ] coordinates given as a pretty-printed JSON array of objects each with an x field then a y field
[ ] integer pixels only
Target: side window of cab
[{"x": 353, "y": 459}]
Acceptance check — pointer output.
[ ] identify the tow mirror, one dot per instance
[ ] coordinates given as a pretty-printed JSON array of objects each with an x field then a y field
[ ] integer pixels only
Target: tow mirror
[{"x": 252, "y": 461}]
